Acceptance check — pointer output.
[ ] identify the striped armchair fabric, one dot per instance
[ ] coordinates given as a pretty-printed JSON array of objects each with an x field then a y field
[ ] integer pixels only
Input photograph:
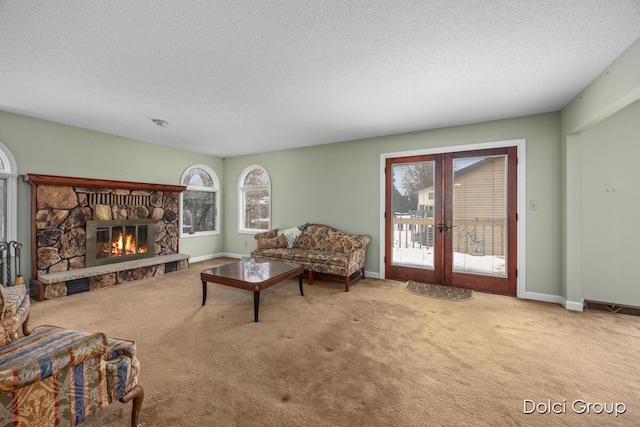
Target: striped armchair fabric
[
  {"x": 14, "y": 313},
  {"x": 59, "y": 377}
]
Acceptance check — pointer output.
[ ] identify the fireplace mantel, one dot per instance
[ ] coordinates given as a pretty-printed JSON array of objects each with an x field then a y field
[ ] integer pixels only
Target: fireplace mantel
[{"x": 38, "y": 179}]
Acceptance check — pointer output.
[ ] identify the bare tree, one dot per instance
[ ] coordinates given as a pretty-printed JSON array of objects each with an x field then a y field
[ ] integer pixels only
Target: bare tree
[{"x": 417, "y": 176}]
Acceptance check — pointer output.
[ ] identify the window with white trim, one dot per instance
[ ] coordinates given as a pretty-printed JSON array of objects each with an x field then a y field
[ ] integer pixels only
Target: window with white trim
[
  {"x": 254, "y": 190},
  {"x": 200, "y": 202},
  {"x": 8, "y": 197}
]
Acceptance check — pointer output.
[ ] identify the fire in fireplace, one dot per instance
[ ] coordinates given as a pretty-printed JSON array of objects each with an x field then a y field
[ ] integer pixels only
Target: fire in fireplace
[
  {"x": 119, "y": 240},
  {"x": 122, "y": 246}
]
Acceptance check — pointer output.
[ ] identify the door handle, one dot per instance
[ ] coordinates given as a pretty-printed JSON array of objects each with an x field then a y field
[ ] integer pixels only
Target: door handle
[{"x": 444, "y": 227}]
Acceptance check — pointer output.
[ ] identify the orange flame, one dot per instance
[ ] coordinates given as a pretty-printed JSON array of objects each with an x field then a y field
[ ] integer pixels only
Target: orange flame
[{"x": 126, "y": 246}]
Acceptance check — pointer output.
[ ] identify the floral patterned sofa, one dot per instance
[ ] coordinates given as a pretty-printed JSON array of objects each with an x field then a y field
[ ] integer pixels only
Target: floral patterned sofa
[
  {"x": 58, "y": 377},
  {"x": 322, "y": 250}
]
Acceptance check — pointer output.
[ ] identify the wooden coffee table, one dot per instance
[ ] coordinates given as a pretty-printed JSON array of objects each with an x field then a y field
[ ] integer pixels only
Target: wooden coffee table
[{"x": 252, "y": 276}]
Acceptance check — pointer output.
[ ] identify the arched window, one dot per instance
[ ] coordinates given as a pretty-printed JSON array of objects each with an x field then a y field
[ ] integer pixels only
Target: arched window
[
  {"x": 8, "y": 197},
  {"x": 255, "y": 200},
  {"x": 200, "y": 202}
]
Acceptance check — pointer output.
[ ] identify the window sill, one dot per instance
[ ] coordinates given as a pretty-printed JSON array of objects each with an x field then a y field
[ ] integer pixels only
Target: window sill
[
  {"x": 253, "y": 232},
  {"x": 199, "y": 234}
]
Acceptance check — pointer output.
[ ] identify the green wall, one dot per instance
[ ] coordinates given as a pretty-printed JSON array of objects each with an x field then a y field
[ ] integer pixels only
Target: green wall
[
  {"x": 591, "y": 128},
  {"x": 339, "y": 185},
  {"x": 44, "y": 147},
  {"x": 610, "y": 206}
]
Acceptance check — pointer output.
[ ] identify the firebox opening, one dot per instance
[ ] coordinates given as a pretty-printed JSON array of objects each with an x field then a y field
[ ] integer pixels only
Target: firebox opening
[{"x": 119, "y": 240}]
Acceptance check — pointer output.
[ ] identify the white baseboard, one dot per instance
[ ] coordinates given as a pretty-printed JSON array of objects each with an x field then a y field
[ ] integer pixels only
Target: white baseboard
[
  {"x": 231, "y": 255},
  {"x": 557, "y": 299},
  {"x": 573, "y": 305},
  {"x": 371, "y": 275},
  {"x": 201, "y": 258},
  {"x": 213, "y": 256}
]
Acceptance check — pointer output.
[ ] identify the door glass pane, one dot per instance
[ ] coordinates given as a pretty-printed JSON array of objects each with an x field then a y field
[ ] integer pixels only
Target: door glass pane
[
  {"x": 103, "y": 249},
  {"x": 143, "y": 237},
  {"x": 130, "y": 240},
  {"x": 480, "y": 215},
  {"x": 117, "y": 242},
  {"x": 413, "y": 209}
]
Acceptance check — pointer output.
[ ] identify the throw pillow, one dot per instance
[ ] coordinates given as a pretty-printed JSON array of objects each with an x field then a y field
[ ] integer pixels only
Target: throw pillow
[
  {"x": 279, "y": 241},
  {"x": 291, "y": 234},
  {"x": 303, "y": 226}
]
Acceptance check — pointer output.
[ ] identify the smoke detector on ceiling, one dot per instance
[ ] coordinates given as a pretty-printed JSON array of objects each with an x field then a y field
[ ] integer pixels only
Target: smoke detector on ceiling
[{"x": 160, "y": 122}]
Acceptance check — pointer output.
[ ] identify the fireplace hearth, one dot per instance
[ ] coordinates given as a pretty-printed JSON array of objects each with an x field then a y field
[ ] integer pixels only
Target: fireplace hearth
[{"x": 113, "y": 241}]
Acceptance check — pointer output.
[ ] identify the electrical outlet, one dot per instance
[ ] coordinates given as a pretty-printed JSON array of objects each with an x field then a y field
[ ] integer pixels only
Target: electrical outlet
[
  {"x": 533, "y": 205},
  {"x": 245, "y": 243}
]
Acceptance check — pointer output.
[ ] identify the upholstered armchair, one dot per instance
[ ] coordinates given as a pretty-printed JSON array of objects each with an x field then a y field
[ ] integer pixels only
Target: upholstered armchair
[
  {"x": 14, "y": 313},
  {"x": 59, "y": 377}
]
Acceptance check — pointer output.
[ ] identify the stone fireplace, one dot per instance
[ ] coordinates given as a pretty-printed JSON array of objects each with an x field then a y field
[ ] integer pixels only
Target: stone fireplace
[{"x": 88, "y": 234}]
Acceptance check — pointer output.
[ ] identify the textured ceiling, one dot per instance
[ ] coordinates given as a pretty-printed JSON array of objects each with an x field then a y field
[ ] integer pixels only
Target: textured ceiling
[{"x": 237, "y": 77}]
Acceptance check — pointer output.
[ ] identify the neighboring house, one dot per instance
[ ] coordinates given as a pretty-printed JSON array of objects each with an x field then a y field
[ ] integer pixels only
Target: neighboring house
[
  {"x": 479, "y": 206},
  {"x": 426, "y": 201}
]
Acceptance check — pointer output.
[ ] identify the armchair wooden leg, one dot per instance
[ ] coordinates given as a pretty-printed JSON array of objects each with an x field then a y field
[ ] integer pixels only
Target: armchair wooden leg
[
  {"x": 137, "y": 394},
  {"x": 25, "y": 326}
]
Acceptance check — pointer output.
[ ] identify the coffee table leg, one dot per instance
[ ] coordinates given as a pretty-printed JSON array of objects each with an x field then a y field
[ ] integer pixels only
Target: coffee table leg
[
  {"x": 204, "y": 292},
  {"x": 300, "y": 284},
  {"x": 256, "y": 304}
]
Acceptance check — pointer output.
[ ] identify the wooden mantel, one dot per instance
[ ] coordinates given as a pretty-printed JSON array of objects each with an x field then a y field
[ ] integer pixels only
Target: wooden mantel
[{"x": 37, "y": 179}]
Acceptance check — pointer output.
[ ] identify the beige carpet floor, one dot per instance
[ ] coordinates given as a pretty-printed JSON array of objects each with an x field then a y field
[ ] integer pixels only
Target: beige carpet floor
[{"x": 375, "y": 356}]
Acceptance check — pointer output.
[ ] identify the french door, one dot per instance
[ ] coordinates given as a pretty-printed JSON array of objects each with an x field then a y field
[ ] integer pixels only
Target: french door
[{"x": 451, "y": 219}]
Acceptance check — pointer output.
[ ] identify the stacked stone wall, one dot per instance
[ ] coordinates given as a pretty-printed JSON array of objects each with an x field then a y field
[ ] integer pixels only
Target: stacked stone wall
[{"x": 62, "y": 213}]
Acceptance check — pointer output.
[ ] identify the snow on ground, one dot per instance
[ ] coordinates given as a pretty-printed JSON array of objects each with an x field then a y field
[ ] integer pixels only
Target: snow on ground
[{"x": 462, "y": 263}]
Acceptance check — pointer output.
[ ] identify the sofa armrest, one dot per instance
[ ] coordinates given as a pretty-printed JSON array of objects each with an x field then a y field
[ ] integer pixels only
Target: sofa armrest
[
  {"x": 267, "y": 234},
  {"x": 349, "y": 242},
  {"x": 34, "y": 363},
  {"x": 361, "y": 240},
  {"x": 122, "y": 367},
  {"x": 5, "y": 336},
  {"x": 16, "y": 314},
  {"x": 118, "y": 348}
]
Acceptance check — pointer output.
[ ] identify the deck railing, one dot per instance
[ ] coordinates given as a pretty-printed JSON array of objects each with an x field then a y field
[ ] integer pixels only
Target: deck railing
[{"x": 477, "y": 236}]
